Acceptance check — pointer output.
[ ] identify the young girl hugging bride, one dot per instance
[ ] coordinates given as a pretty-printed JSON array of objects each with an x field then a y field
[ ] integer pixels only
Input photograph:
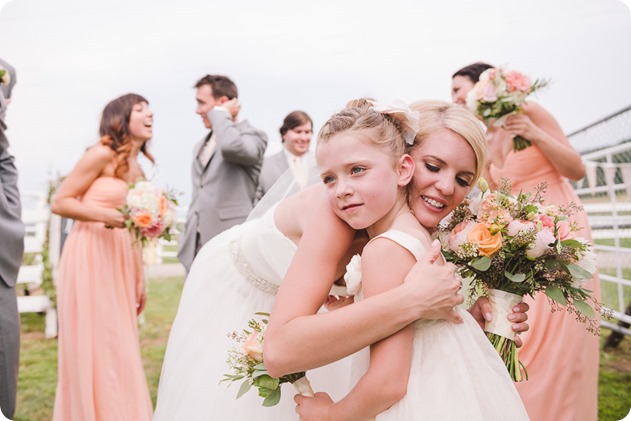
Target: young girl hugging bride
[{"x": 431, "y": 369}]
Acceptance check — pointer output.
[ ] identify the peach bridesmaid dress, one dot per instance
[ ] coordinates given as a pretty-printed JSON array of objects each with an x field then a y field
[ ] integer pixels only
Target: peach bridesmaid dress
[
  {"x": 561, "y": 357},
  {"x": 101, "y": 375}
]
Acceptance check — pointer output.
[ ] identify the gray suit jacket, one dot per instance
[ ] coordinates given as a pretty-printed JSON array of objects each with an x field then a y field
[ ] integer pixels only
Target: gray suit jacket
[
  {"x": 273, "y": 167},
  {"x": 12, "y": 237},
  {"x": 223, "y": 190}
]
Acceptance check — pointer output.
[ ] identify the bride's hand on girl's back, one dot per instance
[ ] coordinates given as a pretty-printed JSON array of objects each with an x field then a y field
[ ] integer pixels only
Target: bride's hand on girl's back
[{"x": 434, "y": 288}]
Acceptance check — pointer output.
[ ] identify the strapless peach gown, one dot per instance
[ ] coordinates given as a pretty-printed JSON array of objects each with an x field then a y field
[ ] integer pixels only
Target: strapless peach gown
[
  {"x": 561, "y": 357},
  {"x": 101, "y": 375}
]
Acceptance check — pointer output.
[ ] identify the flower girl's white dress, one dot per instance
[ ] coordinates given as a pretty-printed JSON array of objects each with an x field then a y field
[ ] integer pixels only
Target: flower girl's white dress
[
  {"x": 235, "y": 275},
  {"x": 456, "y": 374}
]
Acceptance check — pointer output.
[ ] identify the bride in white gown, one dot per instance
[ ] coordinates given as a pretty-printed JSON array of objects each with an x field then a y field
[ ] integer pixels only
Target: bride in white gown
[{"x": 237, "y": 274}]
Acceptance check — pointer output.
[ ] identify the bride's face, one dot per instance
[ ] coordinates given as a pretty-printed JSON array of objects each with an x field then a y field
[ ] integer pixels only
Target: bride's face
[{"x": 445, "y": 170}]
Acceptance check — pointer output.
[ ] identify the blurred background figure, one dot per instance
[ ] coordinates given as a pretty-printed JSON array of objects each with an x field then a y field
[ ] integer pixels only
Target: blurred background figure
[
  {"x": 562, "y": 358},
  {"x": 12, "y": 235},
  {"x": 225, "y": 169},
  {"x": 101, "y": 285},
  {"x": 295, "y": 134}
]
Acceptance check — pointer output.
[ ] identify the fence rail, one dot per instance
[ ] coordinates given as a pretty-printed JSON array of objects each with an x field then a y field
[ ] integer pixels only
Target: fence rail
[{"x": 606, "y": 195}]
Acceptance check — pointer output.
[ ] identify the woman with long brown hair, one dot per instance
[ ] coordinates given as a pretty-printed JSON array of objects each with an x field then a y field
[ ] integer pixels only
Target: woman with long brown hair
[{"x": 101, "y": 288}]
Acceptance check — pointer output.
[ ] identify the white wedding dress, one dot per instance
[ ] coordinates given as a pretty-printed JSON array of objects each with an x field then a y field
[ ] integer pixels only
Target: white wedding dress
[
  {"x": 235, "y": 275},
  {"x": 456, "y": 374}
]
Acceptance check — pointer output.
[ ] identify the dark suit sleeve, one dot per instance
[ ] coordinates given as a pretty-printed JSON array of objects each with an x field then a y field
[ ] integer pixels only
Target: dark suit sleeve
[{"x": 239, "y": 143}]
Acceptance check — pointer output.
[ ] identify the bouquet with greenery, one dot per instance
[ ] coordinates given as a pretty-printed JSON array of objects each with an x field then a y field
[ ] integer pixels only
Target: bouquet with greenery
[
  {"x": 514, "y": 246},
  {"x": 150, "y": 211},
  {"x": 499, "y": 93},
  {"x": 246, "y": 362}
]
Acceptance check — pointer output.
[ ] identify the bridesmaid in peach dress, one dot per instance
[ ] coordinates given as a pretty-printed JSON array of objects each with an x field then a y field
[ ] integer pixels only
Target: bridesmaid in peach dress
[
  {"x": 101, "y": 288},
  {"x": 562, "y": 358}
]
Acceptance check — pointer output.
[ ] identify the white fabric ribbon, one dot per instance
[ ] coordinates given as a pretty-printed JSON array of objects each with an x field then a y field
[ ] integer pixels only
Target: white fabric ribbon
[
  {"x": 303, "y": 387},
  {"x": 502, "y": 303},
  {"x": 403, "y": 114}
]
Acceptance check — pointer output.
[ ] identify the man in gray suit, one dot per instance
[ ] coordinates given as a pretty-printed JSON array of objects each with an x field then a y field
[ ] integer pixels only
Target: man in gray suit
[
  {"x": 295, "y": 133},
  {"x": 12, "y": 235},
  {"x": 226, "y": 167}
]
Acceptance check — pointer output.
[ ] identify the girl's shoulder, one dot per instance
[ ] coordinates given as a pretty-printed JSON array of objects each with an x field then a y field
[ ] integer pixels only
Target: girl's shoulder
[{"x": 407, "y": 233}]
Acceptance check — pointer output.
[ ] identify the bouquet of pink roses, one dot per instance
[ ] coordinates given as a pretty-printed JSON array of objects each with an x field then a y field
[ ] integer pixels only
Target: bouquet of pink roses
[
  {"x": 512, "y": 246},
  {"x": 501, "y": 92},
  {"x": 246, "y": 362},
  {"x": 150, "y": 211}
]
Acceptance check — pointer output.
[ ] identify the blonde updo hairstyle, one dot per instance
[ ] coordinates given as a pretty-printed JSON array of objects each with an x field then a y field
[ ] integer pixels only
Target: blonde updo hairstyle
[
  {"x": 359, "y": 117},
  {"x": 439, "y": 115}
]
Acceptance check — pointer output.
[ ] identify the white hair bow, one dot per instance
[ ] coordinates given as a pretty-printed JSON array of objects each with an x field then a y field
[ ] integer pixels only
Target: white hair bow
[{"x": 399, "y": 110}]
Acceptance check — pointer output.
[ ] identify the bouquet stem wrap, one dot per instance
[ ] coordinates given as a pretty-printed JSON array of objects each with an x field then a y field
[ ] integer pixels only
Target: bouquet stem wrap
[
  {"x": 303, "y": 386},
  {"x": 500, "y": 332}
]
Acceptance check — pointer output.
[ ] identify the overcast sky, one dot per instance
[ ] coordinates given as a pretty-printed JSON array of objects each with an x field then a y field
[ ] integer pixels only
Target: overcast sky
[{"x": 73, "y": 56}]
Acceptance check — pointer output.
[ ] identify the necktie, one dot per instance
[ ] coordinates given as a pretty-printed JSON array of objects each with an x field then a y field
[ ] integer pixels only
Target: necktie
[
  {"x": 299, "y": 172},
  {"x": 207, "y": 151}
]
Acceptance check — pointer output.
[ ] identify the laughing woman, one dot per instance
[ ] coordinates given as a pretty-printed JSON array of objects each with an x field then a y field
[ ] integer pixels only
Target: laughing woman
[{"x": 101, "y": 288}]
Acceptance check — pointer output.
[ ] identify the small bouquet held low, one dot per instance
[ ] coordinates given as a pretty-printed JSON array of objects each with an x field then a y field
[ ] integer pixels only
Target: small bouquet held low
[
  {"x": 515, "y": 246},
  {"x": 246, "y": 362},
  {"x": 150, "y": 212},
  {"x": 499, "y": 93}
]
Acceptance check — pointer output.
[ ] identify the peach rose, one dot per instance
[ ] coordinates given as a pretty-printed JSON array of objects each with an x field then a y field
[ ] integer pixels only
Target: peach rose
[
  {"x": 253, "y": 347},
  {"x": 142, "y": 220},
  {"x": 564, "y": 230},
  {"x": 164, "y": 205},
  {"x": 547, "y": 221},
  {"x": 487, "y": 243}
]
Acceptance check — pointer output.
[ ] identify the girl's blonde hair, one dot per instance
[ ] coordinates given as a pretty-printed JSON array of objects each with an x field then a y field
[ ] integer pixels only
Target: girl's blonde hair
[{"x": 380, "y": 129}]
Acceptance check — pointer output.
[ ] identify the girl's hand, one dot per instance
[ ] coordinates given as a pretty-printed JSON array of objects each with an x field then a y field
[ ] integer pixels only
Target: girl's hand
[
  {"x": 522, "y": 125},
  {"x": 434, "y": 288},
  {"x": 112, "y": 218},
  {"x": 141, "y": 297},
  {"x": 317, "y": 408},
  {"x": 481, "y": 312}
]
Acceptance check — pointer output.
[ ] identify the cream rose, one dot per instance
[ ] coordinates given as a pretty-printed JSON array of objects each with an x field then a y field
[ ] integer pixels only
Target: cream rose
[
  {"x": 253, "y": 347},
  {"x": 543, "y": 239}
]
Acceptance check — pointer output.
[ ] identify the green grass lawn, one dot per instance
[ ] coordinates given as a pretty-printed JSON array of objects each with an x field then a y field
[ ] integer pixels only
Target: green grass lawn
[{"x": 38, "y": 364}]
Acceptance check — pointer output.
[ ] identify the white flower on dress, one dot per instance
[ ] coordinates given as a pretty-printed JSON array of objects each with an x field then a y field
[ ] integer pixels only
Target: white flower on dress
[{"x": 353, "y": 275}]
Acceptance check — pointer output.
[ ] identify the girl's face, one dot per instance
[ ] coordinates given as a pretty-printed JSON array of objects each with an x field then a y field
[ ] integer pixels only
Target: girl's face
[
  {"x": 361, "y": 180},
  {"x": 445, "y": 169},
  {"x": 141, "y": 122},
  {"x": 297, "y": 140}
]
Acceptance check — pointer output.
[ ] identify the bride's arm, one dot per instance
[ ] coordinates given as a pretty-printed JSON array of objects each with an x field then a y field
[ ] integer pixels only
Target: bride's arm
[{"x": 295, "y": 329}]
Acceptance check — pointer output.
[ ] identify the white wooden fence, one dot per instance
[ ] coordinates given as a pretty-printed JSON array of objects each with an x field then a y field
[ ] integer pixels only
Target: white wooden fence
[
  {"x": 606, "y": 195},
  {"x": 36, "y": 218}
]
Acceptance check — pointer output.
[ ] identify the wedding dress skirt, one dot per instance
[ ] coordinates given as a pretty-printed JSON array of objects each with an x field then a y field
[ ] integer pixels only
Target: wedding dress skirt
[
  {"x": 235, "y": 275},
  {"x": 455, "y": 375}
]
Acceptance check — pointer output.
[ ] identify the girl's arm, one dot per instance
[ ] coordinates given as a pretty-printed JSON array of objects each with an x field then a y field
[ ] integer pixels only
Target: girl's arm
[
  {"x": 385, "y": 382},
  {"x": 295, "y": 329},
  {"x": 536, "y": 124},
  {"x": 90, "y": 166}
]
